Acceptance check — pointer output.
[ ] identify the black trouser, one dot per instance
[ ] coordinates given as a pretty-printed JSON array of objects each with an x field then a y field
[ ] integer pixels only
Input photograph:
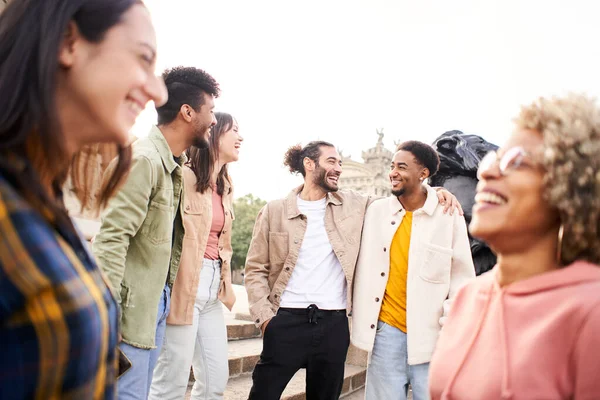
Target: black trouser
[{"x": 308, "y": 338}]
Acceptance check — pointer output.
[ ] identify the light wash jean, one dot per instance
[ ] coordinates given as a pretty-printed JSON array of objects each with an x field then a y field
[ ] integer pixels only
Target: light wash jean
[
  {"x": 202, "y": 345},
  {"x": 388, "y": 373},
  {"x": 134, "y": 384}
]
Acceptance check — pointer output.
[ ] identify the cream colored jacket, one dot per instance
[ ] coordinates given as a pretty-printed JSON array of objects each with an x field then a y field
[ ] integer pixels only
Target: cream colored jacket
[
  {"x": 439, "y": 263},
  {"x": 277, "y": 239}
]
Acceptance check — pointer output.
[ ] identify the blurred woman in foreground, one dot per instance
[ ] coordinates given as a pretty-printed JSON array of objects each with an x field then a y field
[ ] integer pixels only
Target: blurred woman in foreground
[
  {"x": 72, "y": 73},
  {"x": 530, "y": 328}
]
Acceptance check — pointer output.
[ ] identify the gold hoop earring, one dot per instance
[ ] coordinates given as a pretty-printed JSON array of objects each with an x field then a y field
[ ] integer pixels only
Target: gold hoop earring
[{"x": 561, "y": 232}]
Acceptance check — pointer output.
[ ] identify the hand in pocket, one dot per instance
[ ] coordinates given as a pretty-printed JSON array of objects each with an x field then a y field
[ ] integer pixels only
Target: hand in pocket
[{"x": 263, "y": 327}]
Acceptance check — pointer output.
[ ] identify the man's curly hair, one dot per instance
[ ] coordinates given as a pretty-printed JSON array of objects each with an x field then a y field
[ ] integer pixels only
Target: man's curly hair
[
  {"x": 185, "y": 85},
  {"x": 423, "y": 153},
  {"x": 570, "y": 127}
]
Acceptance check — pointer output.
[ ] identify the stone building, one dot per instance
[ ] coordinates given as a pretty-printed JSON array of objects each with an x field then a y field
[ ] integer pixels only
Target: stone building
[{"x": 370, "y": 176}]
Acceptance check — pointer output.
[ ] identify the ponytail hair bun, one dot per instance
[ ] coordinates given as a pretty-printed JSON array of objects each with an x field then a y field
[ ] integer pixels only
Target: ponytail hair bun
[{"x": 294, "y": 156}]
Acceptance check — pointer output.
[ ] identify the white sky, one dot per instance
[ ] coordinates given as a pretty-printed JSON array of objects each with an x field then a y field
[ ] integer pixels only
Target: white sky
[{"x": 295, "y": 71}]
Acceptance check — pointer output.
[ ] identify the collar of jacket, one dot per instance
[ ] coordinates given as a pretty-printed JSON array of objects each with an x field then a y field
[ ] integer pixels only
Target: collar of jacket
[
  {"x": 292, "y": 201},
  {"x": 164, "y": 150},
  {"x": 429, "y": 207}
]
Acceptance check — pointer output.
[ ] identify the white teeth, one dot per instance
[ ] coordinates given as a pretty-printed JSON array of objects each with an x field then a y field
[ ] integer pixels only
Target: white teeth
[
  {"x": 394, "y": 183},
  {"x": 487, "y": 197}
]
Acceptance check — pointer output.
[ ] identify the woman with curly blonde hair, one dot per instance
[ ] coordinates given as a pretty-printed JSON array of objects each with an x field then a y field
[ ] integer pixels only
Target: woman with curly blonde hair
[{"x": 530, "y": 328}]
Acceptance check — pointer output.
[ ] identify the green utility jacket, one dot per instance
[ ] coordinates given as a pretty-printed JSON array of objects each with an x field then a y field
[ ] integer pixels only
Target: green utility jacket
[{"x": 139, "y": 243}]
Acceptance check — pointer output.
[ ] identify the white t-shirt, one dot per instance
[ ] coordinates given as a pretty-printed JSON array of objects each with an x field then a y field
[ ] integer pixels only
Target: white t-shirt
[{"x": 318, "y": 277}]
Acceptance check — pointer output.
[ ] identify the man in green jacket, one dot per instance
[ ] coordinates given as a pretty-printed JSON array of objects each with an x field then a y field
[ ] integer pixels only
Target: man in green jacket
[{"x": 139, "y": 243}]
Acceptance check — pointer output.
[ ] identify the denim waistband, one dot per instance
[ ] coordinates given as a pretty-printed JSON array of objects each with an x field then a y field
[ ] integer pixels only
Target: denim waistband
[{"x": 212, "y": 263}]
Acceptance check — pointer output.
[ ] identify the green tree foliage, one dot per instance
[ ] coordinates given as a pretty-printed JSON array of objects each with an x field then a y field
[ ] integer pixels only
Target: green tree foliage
[{"x": 245, "y": 210}]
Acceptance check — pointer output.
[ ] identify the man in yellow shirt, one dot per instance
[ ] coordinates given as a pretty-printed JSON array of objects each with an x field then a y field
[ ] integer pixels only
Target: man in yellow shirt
[
  {"x": 413, "y": 259},
  {"x": 393, "y": 306}
]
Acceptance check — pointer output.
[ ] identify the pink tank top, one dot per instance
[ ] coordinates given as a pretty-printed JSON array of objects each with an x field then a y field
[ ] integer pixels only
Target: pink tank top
[{"x": 218, "y": 221}]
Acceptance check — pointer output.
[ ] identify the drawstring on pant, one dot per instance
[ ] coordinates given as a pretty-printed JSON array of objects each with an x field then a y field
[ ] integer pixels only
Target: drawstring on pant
[{"x": 312, "y": 313}]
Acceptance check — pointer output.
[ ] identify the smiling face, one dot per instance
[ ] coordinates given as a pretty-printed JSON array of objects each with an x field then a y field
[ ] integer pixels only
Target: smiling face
[
  {"x": 103, "y": 87},
  {"x": 230, "y": 143},
  {"x": 202, "y": 121},
  {"x": 510, "y": 211},
  {"x": 328, "y": 170},
  {"x": 406, "y": 173}
]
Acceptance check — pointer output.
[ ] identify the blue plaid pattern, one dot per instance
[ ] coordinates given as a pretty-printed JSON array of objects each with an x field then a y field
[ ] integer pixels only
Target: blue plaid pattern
[{"x": 58, "y": 319}]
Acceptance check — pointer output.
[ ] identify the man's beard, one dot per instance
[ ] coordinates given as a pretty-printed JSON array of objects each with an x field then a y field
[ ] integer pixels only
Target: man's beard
[
  {"x": 398, "y": 192},
  {"x": 200, "y": 140},
  {"x": 320, "y": 179}
]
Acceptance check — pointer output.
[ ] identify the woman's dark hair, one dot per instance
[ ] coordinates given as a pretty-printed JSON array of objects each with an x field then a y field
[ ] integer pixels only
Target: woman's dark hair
[
  {"x": 424, "y": 153},
  {"x": 31, "y": 34},
  {"x": 294, "y": 156},
  {"x": 202, "y": 161}
]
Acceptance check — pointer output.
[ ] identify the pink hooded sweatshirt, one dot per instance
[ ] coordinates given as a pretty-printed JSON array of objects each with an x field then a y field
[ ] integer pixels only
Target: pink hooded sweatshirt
[{"x": 534, "y": 339}]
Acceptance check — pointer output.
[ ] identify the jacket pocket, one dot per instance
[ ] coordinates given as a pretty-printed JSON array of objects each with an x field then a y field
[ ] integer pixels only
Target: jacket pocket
[
  {"x": 125, "y": 295},
  {"x": 193, "y": 214},
  {"x": 436, "y": 264},
  {"x": 347, "y": 226},
  {"x": 278, "y": 247},
  {"x": 158, "y": 225}
]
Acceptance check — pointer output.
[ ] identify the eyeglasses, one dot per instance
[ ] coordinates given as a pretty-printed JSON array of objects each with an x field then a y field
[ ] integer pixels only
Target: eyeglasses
[{"x": 510, "y": 160}]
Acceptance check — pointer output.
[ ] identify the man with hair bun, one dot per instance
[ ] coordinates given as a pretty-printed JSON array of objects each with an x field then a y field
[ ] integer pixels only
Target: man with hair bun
[
  {"x": 412, "y": 262},
  {"x": 299, "y": 275}
]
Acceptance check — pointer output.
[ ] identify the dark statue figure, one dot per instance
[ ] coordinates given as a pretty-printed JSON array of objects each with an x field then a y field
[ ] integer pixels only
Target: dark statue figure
[{"x": 460, "y": 155}]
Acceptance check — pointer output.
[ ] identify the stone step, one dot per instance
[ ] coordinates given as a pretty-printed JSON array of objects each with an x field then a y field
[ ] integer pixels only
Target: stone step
[
  {"x": 357, "y": 356},
  {"x": 243, "y": 316},
  {"x": 239, "y": 329},
  {"x": 238, "y": 388},
  {"x": 243, "y": 355},
  {"x": 358, "y": 395}
]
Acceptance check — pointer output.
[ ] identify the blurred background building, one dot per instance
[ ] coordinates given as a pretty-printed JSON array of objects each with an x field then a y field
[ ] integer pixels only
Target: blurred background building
[{"x": 371, "y": 175}]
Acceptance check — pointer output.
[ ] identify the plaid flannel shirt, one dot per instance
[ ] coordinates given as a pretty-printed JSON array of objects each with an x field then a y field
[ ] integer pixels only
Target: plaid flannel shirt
[{"x": 58, "y": 319}]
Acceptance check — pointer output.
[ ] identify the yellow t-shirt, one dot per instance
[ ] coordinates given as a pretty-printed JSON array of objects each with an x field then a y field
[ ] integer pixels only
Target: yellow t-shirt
[{"x": 393, "y": 307}]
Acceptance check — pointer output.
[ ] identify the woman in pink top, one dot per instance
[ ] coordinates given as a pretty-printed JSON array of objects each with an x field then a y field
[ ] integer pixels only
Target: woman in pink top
[
  {"x": 196, "y": 334},
  {"x": 530, "y": 328}
]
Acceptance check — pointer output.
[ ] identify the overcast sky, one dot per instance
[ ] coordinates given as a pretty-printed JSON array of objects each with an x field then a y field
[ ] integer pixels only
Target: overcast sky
[{"x": 295, "y": 71}]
